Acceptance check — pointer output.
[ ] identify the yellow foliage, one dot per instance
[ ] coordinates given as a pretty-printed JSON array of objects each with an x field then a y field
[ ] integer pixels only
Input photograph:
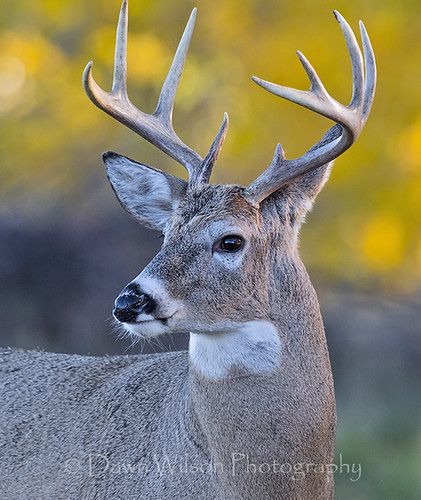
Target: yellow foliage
[
  {"x": 383, "y": 242},
  {"x": 408, "y": 150},
  {"x": 12, "y": 79},
  {"x": 26, "y": 60},
  {"x": 38, "y": 55},
  {"x": 147, "y": 58},
  {"x": 46, "y": 119}
]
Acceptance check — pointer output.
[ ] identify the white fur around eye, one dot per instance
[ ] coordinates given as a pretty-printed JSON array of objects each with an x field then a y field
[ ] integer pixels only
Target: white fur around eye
[
  {"x": 216, "y": 232},
  {"x": 230, "y": 260}
]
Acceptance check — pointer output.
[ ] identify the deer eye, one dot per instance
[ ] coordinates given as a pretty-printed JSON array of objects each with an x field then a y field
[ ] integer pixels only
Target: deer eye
[{"x": 230, "y": 243}]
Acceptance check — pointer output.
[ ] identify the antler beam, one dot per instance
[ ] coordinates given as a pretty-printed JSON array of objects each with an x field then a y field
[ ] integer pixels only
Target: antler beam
[
  {"x": 156, "y": 128},
  {"x": 351, "y": 118}
]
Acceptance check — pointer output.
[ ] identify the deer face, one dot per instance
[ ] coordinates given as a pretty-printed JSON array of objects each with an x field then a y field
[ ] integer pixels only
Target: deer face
[{"x": 211, "y": 273}]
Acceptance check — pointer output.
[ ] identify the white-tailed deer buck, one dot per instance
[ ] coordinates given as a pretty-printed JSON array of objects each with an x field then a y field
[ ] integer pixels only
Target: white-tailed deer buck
[{"x": 249, "y": 411}]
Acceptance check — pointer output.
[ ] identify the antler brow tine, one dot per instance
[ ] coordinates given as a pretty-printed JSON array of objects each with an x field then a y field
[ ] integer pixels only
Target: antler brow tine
[
  {"x": 351, "y": 118},
  {"x": 156, "y": 128}
]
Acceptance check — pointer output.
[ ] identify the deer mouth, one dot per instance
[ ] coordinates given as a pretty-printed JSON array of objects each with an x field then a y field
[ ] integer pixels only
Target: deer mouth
[
  {"x": 164, "y": 320},
  {"x": 149, "y": 326}
]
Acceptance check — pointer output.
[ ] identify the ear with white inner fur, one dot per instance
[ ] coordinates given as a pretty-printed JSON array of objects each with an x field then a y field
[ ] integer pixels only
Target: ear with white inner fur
[{"x": 148, "y": 194}]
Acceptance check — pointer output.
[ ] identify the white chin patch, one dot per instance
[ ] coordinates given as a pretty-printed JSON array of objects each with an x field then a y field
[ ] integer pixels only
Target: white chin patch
[
  {"x": 145, "y": 329},
  {"x": 254, "y": 347}
]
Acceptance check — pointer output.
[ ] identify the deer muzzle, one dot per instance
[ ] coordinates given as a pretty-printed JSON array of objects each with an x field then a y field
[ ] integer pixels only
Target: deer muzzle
[{"x": 131, "y": 302}]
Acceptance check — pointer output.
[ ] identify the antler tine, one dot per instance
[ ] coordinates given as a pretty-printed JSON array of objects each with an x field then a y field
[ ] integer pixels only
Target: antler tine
[
  {"x": 202, "y": 174},
  {"x": 356, "y": 60},
  {"x": 370, "y": 72},
  {"x": 165, "y": 104},
  {"x": 316, "y": 85},
  {"x": 351, "y": 118},
  {"x": 120, "y": 56},
  {"x": 156, "y": 128}
]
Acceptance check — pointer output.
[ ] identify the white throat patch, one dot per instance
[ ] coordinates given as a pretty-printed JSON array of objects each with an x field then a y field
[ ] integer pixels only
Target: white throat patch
[{"x": 255, "y": 347}]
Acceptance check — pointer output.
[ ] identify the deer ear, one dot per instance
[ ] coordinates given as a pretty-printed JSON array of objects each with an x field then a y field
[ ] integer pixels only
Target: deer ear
[
  {"x": 148, "y": 194},
  {"x": 302, "y": 192}
]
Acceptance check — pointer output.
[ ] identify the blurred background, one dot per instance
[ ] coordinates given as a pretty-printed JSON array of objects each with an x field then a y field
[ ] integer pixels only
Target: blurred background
[{"x": 67, "y": 248}]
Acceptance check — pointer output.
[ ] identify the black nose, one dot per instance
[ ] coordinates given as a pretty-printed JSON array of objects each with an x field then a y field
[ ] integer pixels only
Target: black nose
[{"x": 131, "y": 302}]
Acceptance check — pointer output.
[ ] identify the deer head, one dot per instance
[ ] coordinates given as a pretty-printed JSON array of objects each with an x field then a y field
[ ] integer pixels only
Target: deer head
[{"x": 224, "y": 245}]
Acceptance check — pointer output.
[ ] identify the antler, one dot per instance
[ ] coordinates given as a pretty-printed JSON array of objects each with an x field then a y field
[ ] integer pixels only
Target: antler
[
  {"x": 351, "y": 118},
  {"x": 157, "y": 127}
]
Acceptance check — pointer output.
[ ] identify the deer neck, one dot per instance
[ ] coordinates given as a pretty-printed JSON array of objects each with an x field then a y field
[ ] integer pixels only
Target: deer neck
[
  {"x": 284, "y": 356},
  {"x": 293, "y": 324},
  {"x": 251, "y": 392}
]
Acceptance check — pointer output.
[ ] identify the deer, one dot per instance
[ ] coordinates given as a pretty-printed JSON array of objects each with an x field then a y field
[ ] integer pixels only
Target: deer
[{"x": 248, "y": 411}]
